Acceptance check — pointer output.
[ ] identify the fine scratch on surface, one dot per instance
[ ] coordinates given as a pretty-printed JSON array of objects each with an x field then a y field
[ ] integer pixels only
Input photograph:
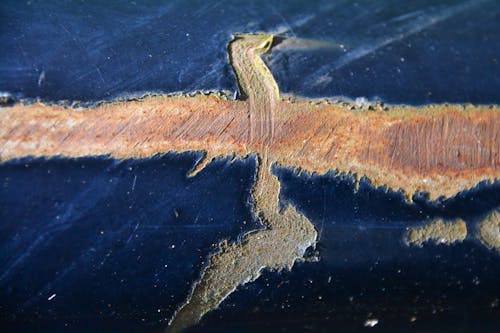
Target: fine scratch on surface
[{"x": 417, "y": 21}]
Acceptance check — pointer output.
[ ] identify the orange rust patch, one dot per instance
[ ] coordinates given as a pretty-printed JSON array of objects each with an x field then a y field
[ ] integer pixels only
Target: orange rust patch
[
  {"x": 437, "y": 148},
  {"x": 450, "y": 141},
  {"x": 124, "y": 129}
]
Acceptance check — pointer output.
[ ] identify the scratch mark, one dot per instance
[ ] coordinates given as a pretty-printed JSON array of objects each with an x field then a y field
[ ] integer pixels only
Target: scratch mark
[
  {"x": 133, "y": 183},
  {"x": 41, "y": 78},
  {"x": 421, "y": 21}
]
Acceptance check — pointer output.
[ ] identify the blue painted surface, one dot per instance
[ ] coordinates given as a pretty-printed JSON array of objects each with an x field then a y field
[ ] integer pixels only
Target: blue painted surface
[
  {"x": 98, "y": 233},
  {"x": 402, "y": 53},
  {"x": 118, "y": 241},
  {"x": 366, "y": 271}
]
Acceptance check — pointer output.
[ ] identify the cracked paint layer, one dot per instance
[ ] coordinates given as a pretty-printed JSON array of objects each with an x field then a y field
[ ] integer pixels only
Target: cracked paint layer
[
  {"x": 437, "y": 231},
  {"x": 438, "y": 149}
]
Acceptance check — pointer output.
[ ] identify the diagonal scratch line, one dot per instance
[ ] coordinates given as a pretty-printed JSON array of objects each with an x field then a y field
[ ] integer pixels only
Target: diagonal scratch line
[{"x": 418, "y": 24}]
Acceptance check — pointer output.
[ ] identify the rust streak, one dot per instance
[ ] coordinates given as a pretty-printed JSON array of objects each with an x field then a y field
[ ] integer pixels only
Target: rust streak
[{"x": 437, "y": 149}]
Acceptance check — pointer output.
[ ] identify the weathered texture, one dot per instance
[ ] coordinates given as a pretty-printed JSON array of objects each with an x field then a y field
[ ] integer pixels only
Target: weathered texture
[
  {"x": 439, "y": 149},
  {"x": 488, "y": 231},
  {"x": 256, "y": 84},
  {"x": 375, "y": 144},
  {"x": 124, "y": 129},
  {"x": 286, "y": 237},
  {"x": 438, "y": 231},
  {"x": 287, "y": 229}
]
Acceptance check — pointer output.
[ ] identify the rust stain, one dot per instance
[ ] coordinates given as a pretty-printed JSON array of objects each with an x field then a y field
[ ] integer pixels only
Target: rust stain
[
  {"x": 286, "y": 228},
  {"x": 439, "y": 149}
]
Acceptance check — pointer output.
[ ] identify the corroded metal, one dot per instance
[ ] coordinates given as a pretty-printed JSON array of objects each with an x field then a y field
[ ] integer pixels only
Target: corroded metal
[{"x": 438, "y": 149}]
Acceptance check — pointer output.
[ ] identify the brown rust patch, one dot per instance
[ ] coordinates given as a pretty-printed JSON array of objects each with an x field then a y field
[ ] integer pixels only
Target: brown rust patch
[
  {"x": 451, "y": 140},
  {"x": 142, "y": 128},
  {"x": 438, "y": 231},
  {"x": 376, "y": 144}
]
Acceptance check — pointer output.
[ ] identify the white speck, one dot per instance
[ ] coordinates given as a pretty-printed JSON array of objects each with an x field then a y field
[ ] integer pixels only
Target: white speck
[
  {"x": 402, "y": 59},
  {"x": 187, "y": 35},
  {"x": 51, "y": 297},
  {"x": 371, "y": 322},
  {"x": 359, "y": 101},
  {"x": 159, "y": 310},
  {"x": 172, "y": 246}
]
